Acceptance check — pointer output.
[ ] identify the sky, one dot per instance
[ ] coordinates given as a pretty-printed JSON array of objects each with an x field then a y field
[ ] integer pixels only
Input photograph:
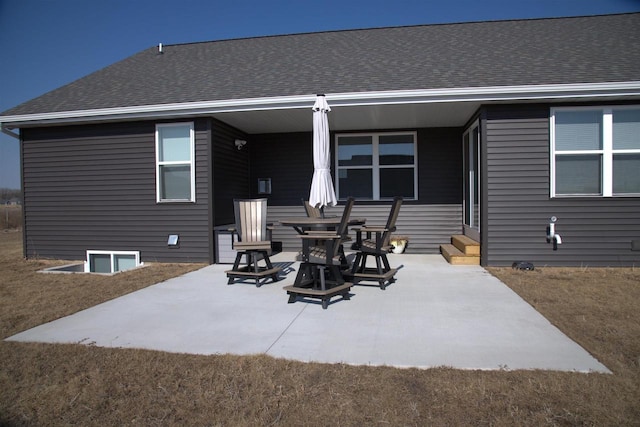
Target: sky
[{"x": 46, "y": 44}]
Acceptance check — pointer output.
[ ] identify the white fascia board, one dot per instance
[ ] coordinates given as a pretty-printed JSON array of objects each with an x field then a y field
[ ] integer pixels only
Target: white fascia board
[
  {"x": 469, "y": 94},
  {"x": 159, "y": 111},
  {"x": 489, "y": 94}
]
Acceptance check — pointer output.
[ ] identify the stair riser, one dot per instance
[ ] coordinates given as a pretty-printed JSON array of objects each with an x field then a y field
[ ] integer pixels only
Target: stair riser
[
  {"x": 455, "y": 257},
  {"x": 466, "y": 246},
  {"x": 461, "y": 251},
  {"x": 464, "y": 261}
]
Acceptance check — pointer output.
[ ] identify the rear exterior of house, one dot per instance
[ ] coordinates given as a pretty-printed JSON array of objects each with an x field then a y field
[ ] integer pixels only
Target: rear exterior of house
[
  {"x": 81, "y": 194},
  {"x": 595, "y": 230},
  {"x": 492, "y": 159}
]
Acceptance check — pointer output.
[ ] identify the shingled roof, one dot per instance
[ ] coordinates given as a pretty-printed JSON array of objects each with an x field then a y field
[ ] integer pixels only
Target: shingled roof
[{"x": 479, "y": 54}]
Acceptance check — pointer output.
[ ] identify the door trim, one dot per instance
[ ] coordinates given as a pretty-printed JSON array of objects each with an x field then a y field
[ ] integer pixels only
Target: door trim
[{"x": 471, "y": 181}]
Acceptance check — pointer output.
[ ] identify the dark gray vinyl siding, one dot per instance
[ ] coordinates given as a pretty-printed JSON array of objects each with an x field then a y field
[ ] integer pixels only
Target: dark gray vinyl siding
[
  {"x": 595, "y": 231},
  {"x": 429, "y": 222},
  {"x": 288, "y": 160},
  {"x": 93, "y": 187},
  {"x": 230, "y": 171},
  {"x": 440, "y": 166},
  {"x": 427, "y": 226}
]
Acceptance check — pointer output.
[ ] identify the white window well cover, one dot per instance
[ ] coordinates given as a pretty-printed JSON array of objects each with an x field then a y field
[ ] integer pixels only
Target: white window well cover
[{"x": 110, "y": 262}]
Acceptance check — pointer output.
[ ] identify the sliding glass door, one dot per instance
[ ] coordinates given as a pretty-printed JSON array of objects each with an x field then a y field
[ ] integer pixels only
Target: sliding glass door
[{"x": 471, "y": 155}]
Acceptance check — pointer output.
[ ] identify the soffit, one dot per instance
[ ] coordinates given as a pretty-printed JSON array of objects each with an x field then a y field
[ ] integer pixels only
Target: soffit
[
  {"x": 405, "y": 116},
  {"x": 389, "y": 116}
]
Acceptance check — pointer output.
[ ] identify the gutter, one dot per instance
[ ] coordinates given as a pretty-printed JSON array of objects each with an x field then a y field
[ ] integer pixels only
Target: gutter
[
  {"x": 347, "y": 99},
  {"x": 7, "y": 131}
]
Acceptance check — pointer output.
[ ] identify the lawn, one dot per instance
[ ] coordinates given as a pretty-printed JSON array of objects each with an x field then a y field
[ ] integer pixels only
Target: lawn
[{"x": 47, "y": 384}]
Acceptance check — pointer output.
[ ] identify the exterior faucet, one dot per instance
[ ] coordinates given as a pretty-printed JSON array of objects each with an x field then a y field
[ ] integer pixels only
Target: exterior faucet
[{"x": 552, "y": 237}]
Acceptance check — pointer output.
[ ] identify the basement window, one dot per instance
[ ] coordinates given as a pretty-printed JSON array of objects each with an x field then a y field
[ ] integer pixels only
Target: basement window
[{"x": 110, "y": 262}]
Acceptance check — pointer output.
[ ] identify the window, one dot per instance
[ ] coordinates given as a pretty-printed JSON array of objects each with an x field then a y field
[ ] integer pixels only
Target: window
[
  {"x": 111, "y": 261},
  {"x": 377, "y": 166},
  {"x": 175, "y": 171},
  {"x": 595, "y": 151}
]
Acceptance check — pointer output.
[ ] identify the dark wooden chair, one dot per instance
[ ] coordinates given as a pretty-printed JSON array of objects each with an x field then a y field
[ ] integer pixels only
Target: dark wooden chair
[
  {"x": 376, "y": 243},
  {"x": 320, "y": 274},
  {"x": 253, "y": 242},
  {"x": 312, "y": 211}
]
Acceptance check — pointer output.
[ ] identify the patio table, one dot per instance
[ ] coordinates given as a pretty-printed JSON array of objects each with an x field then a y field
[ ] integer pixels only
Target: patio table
[
  {"x": 307, "y": 282},
  {"x": 303, "y": 224}
]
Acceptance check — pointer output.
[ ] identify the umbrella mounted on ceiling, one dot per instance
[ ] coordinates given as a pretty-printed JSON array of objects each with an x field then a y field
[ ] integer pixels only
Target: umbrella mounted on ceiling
[{"x": 322, "y": 193}]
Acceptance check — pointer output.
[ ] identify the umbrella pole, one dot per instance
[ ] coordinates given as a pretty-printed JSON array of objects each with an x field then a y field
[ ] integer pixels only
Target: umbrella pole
[{"x": 321, "y": 211}]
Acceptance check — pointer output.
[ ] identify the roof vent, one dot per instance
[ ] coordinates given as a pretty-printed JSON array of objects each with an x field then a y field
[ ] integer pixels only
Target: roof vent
[{"x": 160, "y": 51}]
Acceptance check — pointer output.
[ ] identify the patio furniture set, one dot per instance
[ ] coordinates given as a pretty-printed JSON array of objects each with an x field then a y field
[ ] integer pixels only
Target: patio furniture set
[{"x": 325, "y": 270}]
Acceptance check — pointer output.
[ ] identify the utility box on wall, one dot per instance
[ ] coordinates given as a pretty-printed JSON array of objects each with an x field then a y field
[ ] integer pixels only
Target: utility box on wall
[{"x": 225, "y": 254}]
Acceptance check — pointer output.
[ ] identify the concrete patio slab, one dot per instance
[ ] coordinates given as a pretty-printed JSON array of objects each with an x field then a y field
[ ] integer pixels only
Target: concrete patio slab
[{"x": 434, "y": 315}]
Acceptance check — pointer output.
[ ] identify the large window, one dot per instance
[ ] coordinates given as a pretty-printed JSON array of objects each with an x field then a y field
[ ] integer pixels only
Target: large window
[
  {"x": 175, "y": 171},
  {"x": 595, "y": 151},
  {"x": 377, "y": 166}
]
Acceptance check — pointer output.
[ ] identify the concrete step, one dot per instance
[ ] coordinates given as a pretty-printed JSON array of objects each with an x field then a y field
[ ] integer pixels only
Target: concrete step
[
  {"x": 454, "y": 256},
  {"x": 466, "y": 245}
]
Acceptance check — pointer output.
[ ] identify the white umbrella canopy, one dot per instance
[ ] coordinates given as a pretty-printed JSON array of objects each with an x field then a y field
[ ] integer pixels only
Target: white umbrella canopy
[{"x": 322, "y": 193}]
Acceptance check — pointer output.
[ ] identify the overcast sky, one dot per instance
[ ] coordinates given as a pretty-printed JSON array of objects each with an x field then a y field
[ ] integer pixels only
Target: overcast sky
[{"x": 48, "y": 43}]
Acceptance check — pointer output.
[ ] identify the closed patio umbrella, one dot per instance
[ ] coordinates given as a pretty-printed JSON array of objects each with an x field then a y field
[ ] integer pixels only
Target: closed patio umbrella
[{"x": 322, "y": 193}]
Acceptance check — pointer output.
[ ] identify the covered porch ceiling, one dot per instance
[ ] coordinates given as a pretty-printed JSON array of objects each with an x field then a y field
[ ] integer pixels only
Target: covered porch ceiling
[
  {"x": 342, "y": 118},
  {"x": 412, "y": 109}
]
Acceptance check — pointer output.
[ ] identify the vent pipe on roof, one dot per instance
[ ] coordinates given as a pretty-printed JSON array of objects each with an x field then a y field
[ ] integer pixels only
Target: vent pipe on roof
[{"x": 160, "y": 48}]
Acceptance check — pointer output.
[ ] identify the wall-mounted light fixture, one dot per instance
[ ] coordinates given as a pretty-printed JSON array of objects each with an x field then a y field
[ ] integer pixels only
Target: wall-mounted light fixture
[
  {"x": 173, "y": 241},
  {"x": 240, "y": 143}
]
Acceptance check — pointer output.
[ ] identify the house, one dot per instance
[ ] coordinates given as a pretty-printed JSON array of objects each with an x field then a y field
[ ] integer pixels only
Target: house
[{"x": 487, "y": 129}]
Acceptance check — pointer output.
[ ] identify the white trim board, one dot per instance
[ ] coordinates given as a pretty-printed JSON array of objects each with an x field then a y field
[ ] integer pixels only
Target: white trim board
[{"x": 470, "y": 94}]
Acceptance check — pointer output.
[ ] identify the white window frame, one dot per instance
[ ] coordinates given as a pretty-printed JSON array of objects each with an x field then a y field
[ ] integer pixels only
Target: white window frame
[
  {"x": 607, "y": 152},
  {"x": 190, "y": 163},
  {"x": 112, "y": 254},
  {"x": 375, "y": 166}
]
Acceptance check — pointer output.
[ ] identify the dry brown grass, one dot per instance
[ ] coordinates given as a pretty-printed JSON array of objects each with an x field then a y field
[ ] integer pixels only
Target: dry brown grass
[
  {"x": 29, "y": 298},
  {"x": 596, "y": 307},
  {"x": 43, "y": 384},
  {"x": 10, "y": 217}
]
